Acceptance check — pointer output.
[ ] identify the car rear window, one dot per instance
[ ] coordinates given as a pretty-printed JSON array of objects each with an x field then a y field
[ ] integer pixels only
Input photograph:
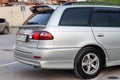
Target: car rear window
[{"x": 39, "y": 19}]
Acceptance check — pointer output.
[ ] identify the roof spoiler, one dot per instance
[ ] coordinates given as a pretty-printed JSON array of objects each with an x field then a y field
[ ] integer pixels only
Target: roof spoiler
[{"x": 41, "y": 9}]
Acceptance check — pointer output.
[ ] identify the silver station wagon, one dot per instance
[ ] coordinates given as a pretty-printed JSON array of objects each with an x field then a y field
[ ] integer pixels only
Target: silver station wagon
[{"x": 81, "y": 36}]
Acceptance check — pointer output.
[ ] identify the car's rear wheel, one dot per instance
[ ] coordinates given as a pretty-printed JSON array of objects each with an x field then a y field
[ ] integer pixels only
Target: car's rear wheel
[
  {"x": 88, "y": 63},
  {"x": 6, "y": 30}
]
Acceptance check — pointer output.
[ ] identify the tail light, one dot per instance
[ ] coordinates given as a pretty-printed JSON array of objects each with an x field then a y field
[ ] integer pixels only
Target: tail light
[{"x": 42, "y": 35}]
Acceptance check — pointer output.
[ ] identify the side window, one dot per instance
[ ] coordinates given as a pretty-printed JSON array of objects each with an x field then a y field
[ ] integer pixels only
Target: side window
[
  {"x": 75, "y": 17},
  {"x": 106, "y": 18},
  {"x": 2, "y": 20}
]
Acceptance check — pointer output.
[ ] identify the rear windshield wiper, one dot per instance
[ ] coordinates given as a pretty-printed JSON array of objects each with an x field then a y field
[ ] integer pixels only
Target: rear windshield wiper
[{"x": 30, "y": 23}]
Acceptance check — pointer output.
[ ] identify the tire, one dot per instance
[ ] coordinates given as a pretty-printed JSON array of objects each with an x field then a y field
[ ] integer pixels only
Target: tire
[
  {"x": 6, "y": 30},
  {"x": 88, "y": 63}
]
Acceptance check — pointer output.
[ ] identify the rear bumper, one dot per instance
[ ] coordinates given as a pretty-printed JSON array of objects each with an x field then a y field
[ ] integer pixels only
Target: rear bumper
[
  {"x": 27, "y": 61},
  {"x": 50, "y": 58}
]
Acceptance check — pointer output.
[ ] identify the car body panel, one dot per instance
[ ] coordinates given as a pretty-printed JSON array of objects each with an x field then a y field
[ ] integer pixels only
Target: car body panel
[
  {"x": 60, "y": 52},
  {"x": 110, "y": 40},
  {"x": 3, "y": 24},
  {"x": 48, "y": 56}
]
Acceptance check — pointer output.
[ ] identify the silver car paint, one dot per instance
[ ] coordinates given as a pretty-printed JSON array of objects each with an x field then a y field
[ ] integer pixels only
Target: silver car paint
[
  {"x": 60, "y": 52},
  {"x": 110, "y": 40}
]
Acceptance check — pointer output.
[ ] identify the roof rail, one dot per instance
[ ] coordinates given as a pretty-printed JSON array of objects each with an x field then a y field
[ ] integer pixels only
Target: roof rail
[{"x": 91, "y": 3}]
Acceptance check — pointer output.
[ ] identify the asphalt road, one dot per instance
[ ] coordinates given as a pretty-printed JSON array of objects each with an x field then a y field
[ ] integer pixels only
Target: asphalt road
[{"x": 12, "y": 70}]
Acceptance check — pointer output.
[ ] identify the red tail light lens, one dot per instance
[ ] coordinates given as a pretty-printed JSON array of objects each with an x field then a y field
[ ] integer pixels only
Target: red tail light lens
[
  {"x": 42, "y": 35},
  {"x": 36, "y": 36},
  {"x": 46, "y": 36}
]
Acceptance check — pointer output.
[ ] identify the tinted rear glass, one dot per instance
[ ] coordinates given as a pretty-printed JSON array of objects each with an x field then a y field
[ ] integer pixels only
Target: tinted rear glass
[
  {"x": 75, "y": 17},
  {"x": 39, "y": 19},
  {"x": 108, "y": 17}
]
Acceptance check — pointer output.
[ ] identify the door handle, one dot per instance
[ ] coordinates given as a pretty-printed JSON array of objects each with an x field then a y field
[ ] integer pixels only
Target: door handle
[{"x": 100, "y": 35}]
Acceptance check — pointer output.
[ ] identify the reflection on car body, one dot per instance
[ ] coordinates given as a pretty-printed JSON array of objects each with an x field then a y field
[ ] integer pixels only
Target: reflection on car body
[{"x": 81, "y": 36}]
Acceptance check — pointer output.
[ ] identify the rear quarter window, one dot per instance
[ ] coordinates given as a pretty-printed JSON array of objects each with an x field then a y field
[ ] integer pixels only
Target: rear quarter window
[{"x": 75, "y": 17}]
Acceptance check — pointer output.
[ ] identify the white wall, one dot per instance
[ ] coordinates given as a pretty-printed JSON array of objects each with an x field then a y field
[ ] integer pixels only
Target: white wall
[{"x": 14, "y": 15}]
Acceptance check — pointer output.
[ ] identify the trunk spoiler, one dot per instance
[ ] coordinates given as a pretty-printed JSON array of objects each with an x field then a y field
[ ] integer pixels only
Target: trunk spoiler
[
  {"x": 43, "y": 9},
  {"x": 31, "y": 26}
]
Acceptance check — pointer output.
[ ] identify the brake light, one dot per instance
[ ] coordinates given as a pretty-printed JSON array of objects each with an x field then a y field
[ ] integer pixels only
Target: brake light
[
  {"x": 42, "y": 35},
  {"x": 36, "y": 35}
]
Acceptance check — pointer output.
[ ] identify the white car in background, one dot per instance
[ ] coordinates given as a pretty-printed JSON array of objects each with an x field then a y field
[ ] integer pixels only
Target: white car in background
[{"x": 4, "y": 26}]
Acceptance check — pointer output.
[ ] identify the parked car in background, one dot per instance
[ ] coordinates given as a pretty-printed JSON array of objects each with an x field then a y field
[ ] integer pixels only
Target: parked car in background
[
  {"x": 79, "y": 36},
  {"x": 4, "y": 26}
]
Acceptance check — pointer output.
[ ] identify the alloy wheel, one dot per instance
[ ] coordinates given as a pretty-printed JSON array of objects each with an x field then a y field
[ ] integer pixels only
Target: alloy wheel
[{"x": 90, "y": 63}]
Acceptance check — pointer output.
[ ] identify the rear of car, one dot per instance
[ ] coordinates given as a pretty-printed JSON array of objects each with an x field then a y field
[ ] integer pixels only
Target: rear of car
[
  {"x": 32, "y": 40},
  {"x": 39, "y": 43},
  {"x": 4, "y": 26}
]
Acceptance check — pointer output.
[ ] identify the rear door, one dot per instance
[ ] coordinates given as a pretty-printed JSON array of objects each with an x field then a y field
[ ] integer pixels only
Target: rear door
[{"x": 106, "y": 28}]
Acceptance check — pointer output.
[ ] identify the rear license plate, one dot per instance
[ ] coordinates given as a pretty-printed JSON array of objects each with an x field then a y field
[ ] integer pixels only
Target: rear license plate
[{"x": 21, "y": 38}]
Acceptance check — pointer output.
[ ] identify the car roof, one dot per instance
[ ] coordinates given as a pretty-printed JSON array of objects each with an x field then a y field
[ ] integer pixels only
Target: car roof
[{"x": 97, "y": 4}]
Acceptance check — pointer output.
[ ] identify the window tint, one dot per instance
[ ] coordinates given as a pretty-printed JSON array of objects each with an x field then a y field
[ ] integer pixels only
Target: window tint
[
  {"x": 75, "y": 17},
  {"x": 2, "y": 20},
  {"x": 39, "y": 19},
  {"x": 106, "y": 18}
]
